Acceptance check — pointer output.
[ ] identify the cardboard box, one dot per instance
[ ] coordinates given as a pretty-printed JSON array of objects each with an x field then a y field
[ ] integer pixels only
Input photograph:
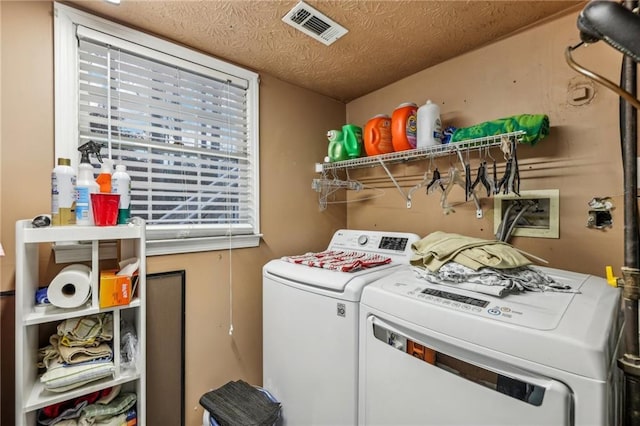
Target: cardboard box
[{"x": 116, "y": 290}]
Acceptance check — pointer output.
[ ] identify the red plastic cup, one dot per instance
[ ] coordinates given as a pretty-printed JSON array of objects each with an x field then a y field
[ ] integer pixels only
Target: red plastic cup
[{"x": 105, "y": 208}]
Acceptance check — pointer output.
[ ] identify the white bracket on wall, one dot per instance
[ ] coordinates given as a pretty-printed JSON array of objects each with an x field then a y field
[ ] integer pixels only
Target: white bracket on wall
[{"x": 395, "y": 182}]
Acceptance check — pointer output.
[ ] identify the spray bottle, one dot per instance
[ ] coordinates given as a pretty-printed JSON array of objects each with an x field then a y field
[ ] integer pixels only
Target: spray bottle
[
  {"x": 86, "y": 184},
  {"x": 121, "y": 184},
  {"x": 104, "y": 178}
]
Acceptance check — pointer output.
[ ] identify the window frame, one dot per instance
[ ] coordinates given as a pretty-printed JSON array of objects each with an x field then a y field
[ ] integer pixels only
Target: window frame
[{"x": 66, "y": 80}]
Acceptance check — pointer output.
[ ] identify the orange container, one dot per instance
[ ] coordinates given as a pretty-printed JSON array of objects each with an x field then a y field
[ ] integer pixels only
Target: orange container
[
  {"x": 422, "y": 352},
  {"x": 377, "y": 135},
  {"x": 404, "y": 127}
]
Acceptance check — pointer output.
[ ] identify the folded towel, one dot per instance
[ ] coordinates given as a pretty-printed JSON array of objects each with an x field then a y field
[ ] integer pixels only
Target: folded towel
[
  {"x": 86, "y": 331},
  {"x": 536, "y": 126},
  {"x": 119, "y": 420},
  {"x": 438, "y": 248},
  {"x": 61, "y": 378},
  {"x": 118, "y": 406},
  {"x": 80, "y": 354},
  {"x": 240, "y": 404},
  {"x": 55, "y": 413},
  {"x": 48, "y": 355},
  {"x": 70, "y": 412},
  {"x": 343, "y": 261}
]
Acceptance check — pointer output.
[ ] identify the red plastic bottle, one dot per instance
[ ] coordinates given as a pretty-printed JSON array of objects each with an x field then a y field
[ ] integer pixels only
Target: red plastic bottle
[
  {"x": 377, "y": 135},
  {"x": 404, "y": 127}
]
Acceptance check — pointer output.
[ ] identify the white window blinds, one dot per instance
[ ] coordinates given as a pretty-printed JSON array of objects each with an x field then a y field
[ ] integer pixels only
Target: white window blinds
[{"x": 182, "y": 129}]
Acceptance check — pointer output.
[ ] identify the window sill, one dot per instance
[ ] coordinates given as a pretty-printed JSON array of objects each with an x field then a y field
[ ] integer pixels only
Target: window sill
[
  {"x": 192, "y": 245},
  {"x": 67, "y": 253}
]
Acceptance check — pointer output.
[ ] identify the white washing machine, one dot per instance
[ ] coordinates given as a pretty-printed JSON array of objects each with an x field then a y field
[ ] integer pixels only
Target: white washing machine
[
  {"x": 310, "y": 329},
  {"x": 438, "y": 355}
]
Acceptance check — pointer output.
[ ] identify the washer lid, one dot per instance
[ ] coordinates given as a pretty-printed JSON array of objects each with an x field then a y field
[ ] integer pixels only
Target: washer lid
[{"x": 313, "y": 279}]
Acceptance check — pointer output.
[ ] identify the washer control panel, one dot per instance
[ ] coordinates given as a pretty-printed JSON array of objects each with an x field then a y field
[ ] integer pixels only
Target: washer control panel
[{"x": 391, "y": 243}]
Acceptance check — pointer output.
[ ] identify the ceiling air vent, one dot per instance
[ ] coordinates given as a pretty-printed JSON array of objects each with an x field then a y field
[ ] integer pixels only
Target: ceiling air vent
[{"x": 313, "y": 23}]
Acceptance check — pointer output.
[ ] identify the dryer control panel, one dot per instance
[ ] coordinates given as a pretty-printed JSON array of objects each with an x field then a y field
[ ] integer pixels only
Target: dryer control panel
[
  {"x": 535, "y": 310},
  {"x": 449, "y": 299}
]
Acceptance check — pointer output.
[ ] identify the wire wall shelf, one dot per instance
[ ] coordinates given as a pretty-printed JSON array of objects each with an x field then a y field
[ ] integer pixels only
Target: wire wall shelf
[
  {"x": 326, "y": 186},
  {"x": 422, "y": 153}
]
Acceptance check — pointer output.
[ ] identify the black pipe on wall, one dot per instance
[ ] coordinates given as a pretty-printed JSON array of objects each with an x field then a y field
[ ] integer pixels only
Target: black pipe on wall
[{"x": 629, "y": 140}]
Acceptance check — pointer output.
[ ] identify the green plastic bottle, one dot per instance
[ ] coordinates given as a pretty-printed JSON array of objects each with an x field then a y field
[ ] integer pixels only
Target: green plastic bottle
[
  {"x": 336, "y": 149},
  {"x": 352, "y": 136}
]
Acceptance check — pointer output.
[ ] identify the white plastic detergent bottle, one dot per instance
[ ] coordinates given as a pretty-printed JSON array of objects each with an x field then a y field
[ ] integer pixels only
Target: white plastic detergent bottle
[
  {"x": 63, "y": 193},
  {"x": 86, "y": 184},
  {"x": 121, "y": 184},
  {"x": 429, "y": 125}
]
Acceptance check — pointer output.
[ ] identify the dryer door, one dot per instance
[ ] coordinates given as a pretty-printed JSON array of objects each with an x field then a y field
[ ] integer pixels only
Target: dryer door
[{"x": 409, "y": 377}]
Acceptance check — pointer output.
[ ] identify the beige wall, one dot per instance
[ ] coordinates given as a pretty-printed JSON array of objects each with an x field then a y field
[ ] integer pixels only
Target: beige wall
[
  {"x": 292, "y": 127},
  {"x": 526, "y": 73},
  {"x": 523, "y": 74}
]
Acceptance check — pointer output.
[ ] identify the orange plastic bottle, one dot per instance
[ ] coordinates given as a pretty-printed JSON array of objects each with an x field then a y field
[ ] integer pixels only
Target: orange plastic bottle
[
  {"x": 377, "y": 135},
  {"x": 104, "y": 178},
  {"x": 404, "y": 127}
]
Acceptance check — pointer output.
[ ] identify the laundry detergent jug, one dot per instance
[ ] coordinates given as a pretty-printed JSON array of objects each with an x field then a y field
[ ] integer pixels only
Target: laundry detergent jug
[
  {"x": 404, "y": 127},
  {"x": 336, "y": 150},
  {"x": 377, "y": 135},
  {"x": 429, "y": 125},
  {"x": 352, "y": 136}
]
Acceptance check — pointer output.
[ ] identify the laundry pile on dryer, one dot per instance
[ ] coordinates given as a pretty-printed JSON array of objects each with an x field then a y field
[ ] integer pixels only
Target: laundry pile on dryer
[{"x": 485, "y": 266}]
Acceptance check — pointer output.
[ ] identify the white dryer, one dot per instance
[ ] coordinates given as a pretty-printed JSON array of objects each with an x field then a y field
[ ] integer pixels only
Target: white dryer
[
  {"x": 439, "y": 355},
  {"x": 310, "y": 329}
]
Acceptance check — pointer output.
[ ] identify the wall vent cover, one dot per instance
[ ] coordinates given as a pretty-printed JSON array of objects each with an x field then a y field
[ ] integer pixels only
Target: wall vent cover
[{"x": 314, "y": 24}]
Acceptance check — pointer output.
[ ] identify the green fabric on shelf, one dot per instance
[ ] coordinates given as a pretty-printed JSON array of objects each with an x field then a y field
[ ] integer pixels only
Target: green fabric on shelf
[{"x": 536, "y": 126}]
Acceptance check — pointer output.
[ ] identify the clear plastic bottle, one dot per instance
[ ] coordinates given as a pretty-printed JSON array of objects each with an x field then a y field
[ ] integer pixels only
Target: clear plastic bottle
[
  {"x": 63, "y": 193},
  {"x": 121, "y": 184}
]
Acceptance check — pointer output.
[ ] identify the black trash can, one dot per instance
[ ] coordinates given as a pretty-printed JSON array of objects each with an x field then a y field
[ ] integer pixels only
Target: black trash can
[{"x": 238, "y": 403}]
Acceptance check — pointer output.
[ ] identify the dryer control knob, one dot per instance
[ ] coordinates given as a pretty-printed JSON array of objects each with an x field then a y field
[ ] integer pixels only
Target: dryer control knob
[{"x": 363, "y": 239}]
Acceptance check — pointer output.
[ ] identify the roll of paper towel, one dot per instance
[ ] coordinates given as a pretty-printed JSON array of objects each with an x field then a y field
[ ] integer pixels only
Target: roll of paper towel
[{"x": 71, "y": 287}]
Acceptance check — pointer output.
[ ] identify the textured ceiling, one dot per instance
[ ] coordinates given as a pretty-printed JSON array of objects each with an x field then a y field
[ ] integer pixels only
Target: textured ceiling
[{"x": 387, "y": 40}]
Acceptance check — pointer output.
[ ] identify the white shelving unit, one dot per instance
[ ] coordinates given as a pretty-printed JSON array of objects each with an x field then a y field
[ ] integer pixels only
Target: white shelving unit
[{"x": 30, "y": 394}]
